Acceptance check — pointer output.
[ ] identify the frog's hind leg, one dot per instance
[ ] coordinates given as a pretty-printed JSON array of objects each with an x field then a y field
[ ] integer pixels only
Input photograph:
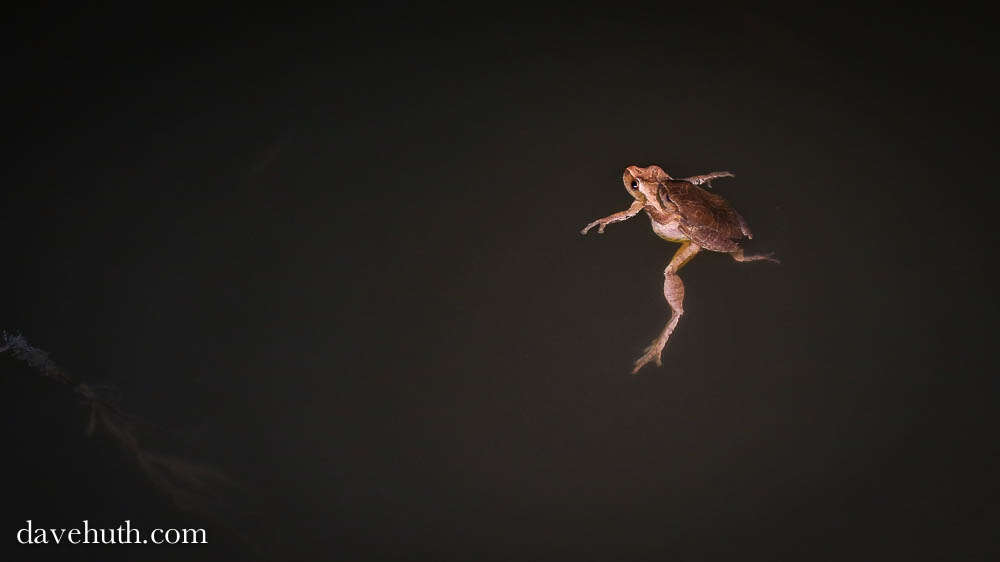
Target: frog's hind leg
[
  {"x": 738, "y": 256},
  {"x": 673, "y": 290}
]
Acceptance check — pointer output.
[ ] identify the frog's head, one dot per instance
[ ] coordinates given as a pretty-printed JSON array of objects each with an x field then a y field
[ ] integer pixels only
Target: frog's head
[{"x": 641, "y": 182}]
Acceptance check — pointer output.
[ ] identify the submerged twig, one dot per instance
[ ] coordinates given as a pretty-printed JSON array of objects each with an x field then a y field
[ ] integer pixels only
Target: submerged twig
[{"x": 189, "y": 486}]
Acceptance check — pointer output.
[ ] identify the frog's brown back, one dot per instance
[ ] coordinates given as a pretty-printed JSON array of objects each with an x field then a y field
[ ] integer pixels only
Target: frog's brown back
[{"x": 705, "y": 213}]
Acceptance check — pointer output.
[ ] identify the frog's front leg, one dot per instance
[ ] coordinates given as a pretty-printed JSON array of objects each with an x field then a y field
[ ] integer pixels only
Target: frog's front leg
[
  {"x": 707, "y": 178},
  {"x": 620, "y": 216},
  {"x": 673, "y": 291}
]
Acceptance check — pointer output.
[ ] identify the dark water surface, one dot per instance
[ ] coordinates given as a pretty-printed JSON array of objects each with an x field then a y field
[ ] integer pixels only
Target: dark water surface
[{"x": 341, "y": 262}]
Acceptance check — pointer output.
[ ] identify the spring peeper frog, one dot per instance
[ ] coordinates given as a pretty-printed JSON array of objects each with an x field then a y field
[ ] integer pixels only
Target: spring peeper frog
[{"x": 681, "y": 211}]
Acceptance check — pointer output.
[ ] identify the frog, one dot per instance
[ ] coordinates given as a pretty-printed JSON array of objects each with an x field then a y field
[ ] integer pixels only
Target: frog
[{"x": 684, "y": 212}]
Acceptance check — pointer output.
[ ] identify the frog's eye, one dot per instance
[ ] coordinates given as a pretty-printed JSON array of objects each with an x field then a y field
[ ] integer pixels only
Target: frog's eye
[{"x": 635, "y": 184}]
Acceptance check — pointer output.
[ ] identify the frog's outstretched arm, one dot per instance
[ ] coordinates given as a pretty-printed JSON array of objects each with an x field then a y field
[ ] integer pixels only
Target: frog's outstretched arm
[
  {"x": 620, "y": 216},
  {"x": 707, "y": 178}
]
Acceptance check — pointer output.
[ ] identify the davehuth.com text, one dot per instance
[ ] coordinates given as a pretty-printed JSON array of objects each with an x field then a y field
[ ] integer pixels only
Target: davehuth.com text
[{"x": 123, "y": 534}]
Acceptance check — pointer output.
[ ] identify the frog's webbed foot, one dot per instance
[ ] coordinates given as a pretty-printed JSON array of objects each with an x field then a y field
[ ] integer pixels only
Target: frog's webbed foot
[
  {"x": 653, "y": 352},
  {"x": 738, "y": 256}
]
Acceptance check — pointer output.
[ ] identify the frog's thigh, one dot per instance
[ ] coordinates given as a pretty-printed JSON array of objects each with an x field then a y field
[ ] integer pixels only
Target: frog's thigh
[{"x": 681, "y": 257}]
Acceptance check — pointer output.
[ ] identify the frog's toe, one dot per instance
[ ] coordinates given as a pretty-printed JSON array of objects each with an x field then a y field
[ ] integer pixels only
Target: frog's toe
[{"x": 652, "y": 355}]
